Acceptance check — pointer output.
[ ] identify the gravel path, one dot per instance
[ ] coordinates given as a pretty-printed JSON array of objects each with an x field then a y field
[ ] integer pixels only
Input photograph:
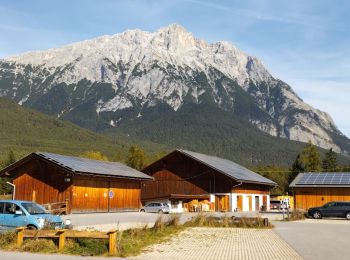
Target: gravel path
[{"x": 223, "y": 243}]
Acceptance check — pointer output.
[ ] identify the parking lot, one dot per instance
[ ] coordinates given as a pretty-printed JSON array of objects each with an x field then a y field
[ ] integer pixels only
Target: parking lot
[{"x": 317, "y": 239}]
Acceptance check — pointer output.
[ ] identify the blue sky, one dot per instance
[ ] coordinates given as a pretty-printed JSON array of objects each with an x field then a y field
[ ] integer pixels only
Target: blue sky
[{"x": 304, "y": 43}]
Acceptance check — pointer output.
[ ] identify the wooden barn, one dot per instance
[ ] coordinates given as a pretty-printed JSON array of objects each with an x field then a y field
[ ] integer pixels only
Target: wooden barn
[
  {"x": 87, "y": 185},
  {"x": 192, "y": 181},
  {"x": 318, "y": 188}
]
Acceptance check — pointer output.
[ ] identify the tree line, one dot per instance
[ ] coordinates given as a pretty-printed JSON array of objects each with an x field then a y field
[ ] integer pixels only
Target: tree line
[{"x": 307, "y": 160}]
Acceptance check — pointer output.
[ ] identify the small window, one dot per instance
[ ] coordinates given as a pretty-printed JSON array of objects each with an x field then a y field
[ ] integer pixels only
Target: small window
[
  {"x": 11, "y": 208},
  {"x": 2, "y": 206}
]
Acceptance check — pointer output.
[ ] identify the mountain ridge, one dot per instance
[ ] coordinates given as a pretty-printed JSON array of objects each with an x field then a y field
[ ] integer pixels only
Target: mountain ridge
[{"x": 117, "y": 77}]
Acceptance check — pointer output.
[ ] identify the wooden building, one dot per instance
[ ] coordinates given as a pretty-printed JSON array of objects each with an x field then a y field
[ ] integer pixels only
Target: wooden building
[
  {"x": 87, "y": 185},
  {"x": 192, "y": 181},
  {"x": 316, "y": 189}
]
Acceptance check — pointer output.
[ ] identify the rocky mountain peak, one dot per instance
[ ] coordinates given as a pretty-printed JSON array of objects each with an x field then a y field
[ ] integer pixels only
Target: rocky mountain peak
[{"x": 135, "y": 70}]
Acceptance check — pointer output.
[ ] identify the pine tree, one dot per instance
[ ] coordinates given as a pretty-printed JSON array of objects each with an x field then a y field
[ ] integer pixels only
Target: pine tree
[
  {"x": 308, "y": 160},
  {"x": 329, "y": 163},
  {"x": 136, "y": 158}
]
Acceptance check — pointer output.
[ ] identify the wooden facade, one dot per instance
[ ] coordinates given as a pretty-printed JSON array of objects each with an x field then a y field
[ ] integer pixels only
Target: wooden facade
[
  {"x": 178, "y": 175},
  {"x": 43, "y": 181},
  {"x": 314, "y": 189},
  {"x": 308, "y": 197}
]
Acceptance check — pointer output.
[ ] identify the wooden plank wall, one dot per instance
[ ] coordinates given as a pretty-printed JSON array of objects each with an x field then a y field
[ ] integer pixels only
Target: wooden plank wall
[
  {"x": 41, "y": 183},
  {"x": 247, "y": 188},
  {"x": 306, "y": 198},
  {"x": 177, "y": 174},
  {"x": 92, "y": 194}
]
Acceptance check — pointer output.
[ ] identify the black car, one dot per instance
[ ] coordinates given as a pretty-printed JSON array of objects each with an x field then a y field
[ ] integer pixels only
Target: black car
[{"x": 339, "y": 209}]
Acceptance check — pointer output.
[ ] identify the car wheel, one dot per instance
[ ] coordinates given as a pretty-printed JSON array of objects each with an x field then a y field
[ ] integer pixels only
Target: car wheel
[
  {"x": 160, "y": 211},
  {"x": 317, "y": 215},
  {"x": 32, "y": 227},
  {"x": 347, "y": 215},
  {"x": 142, "y": 210}
]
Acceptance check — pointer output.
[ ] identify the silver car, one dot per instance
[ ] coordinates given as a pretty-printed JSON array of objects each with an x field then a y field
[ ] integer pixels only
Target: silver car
[{"x": 156, "y": 207}]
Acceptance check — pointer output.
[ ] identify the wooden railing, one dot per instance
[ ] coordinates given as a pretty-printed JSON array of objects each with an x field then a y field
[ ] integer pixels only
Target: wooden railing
[
  {"x": 62, "y": 234},
  {"x": 58, "y": 208}
]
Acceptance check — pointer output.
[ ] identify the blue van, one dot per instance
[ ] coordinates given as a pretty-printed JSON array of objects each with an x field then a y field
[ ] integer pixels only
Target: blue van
[{"x": 15, "y": 213}]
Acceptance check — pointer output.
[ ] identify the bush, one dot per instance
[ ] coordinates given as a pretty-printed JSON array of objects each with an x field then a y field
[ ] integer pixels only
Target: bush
[
  {"x": 296, "y": 215},
  {"x": 7, "y": 239}
]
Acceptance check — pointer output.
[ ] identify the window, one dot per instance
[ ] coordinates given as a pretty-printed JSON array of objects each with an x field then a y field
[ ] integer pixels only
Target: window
[
  {"x": 2, "y": 206},
  {"x": 11, "y": 208},
  {"x": 33, "y": 208}
]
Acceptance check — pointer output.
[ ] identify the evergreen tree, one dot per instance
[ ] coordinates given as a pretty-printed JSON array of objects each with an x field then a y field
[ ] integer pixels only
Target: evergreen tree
[
  {"x": 329, "y": 163},
  {"x": 308, "y": 160},
  {"x": 136, "y": 158},
  {"x": 4, "y": 187}
]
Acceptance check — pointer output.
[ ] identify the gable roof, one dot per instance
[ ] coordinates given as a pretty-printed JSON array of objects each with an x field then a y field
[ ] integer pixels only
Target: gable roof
[
  {"x": 322, "y": 179},
  {"x": 226, "y": 167},
  {"x": 85, "y": 166}
]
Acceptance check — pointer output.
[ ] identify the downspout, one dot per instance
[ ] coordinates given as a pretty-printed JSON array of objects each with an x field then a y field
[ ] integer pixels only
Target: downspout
[{"x": 14, "y": 189}]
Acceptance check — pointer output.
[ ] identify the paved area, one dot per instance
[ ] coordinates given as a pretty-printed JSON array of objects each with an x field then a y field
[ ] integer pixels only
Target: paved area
[
  {"x": 317, "y": 239},
  {"x": 30, "y": 256},
  {"x": 223, "y": 243}
]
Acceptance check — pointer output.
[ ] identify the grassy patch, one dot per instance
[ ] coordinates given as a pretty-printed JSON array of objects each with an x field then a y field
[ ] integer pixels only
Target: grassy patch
[
  {"x": 204, "y": 220},
  {"x": 296, "y": 215},
  {"x": 130, "y": 242},
  {"x": 133, "y": 241}
]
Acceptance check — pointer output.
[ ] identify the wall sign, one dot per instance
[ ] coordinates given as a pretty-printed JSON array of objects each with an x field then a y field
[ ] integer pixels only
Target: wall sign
[{"x": 110, "y": 194}]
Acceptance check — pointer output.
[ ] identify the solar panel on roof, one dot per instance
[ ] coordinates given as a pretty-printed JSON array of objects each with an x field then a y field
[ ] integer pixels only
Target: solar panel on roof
[{"x": 329, "y": 178}]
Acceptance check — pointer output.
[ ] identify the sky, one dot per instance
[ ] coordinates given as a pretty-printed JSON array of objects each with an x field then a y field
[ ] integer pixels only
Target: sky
[{"x": 304, "y": 43}]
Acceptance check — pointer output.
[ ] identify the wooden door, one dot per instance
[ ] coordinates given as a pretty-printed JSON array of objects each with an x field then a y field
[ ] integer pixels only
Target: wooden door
[
  {"x": 240, "y": 202},
  {"x": 257, "y": 203},
  {"x": 90, "y": 196},
  {"x": 124, "y": 195},
  {"x": 265, "y": 202},
  {"x": 250, "y": 202}
]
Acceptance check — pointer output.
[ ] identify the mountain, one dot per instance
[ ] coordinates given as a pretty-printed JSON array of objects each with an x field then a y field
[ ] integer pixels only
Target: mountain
[
  {"x": 112, "y": 81},
  {"x": 24, "y": 130}
]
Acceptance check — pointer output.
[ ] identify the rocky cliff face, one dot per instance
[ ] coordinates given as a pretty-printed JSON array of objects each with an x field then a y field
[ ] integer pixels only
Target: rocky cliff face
[{"x": 113, "y": 78}]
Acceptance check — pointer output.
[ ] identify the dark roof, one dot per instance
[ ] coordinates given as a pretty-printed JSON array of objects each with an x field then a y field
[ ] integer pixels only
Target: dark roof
[
  {"x": 87, "y": 166},
  {"x": 322, "y": 179},
  {"x": 229, "y": 168}
]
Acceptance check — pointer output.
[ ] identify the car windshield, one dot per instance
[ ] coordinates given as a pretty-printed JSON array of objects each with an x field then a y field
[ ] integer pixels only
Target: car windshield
[{"x": 33, "y": 208}]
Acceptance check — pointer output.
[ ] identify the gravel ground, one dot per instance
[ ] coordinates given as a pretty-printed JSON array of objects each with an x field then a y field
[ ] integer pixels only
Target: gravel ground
[{"x": 223, "y": 243}]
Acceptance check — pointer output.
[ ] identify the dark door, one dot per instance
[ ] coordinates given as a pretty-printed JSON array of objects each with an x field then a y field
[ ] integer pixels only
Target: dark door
[{"x": 257, "y": 203}]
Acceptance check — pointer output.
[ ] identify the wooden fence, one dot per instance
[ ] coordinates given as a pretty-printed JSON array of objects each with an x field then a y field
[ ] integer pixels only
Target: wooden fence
[
  {"x": 62, "y": 234},
  {"x": 58, "y": 208}
]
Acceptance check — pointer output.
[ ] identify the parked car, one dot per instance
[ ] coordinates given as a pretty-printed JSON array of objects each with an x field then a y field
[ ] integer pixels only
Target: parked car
[
  {"x": 15, "y": 213},
  {"x": 340, "y": 209},
  {"x": 275, "y": 204},
  {"x": 156, "y": 207}
]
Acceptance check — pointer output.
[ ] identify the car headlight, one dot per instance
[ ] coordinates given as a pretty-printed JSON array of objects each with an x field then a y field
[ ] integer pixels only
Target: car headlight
[
  {"x": 67, "y": 222},
  {"x": 40, "y": 221}
]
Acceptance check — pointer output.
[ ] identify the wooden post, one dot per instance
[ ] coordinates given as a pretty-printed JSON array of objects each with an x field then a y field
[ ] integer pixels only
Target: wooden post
[
  {"x": 20, "y": 236},
  {"x": 34, "y": 196},
  {"x": 112, "y": 242},
  {"x": 61, "y": 239}
]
